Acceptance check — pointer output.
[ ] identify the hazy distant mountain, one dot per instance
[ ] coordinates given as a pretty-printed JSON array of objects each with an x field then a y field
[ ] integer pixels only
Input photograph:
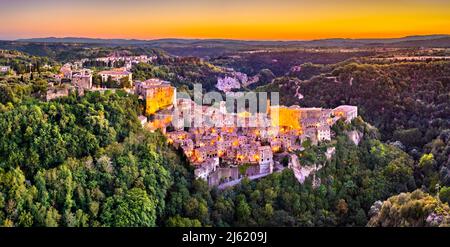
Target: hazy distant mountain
[
  {"x": 157, "y": 42},
  {"x": 83, "y": 40},
  {"x": 388, "y": 40},
  {"x": 440, "y": 40},
  {"x": 59, "y": 48}
]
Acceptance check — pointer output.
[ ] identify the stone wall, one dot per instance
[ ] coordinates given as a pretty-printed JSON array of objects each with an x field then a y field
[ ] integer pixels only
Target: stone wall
[
  {"x": 223, "y": 174},
  {"x": 56, "y": 92}
]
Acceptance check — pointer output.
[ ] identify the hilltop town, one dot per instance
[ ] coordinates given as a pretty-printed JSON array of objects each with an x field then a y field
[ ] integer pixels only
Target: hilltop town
[
  {"x": 226, "y": 152},
  {"x": 235, "y": 145}
]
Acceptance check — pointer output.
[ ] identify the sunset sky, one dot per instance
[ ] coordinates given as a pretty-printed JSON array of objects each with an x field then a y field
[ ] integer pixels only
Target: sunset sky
[{"x": 230, "y": 19}]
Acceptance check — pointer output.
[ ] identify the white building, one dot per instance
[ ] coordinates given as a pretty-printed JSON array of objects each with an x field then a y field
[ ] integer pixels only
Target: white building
[
  {"x": 116, "y": 75},
  {"x": 349, "y": 112},
  {"x": 4, "y": 69},
  {"x": 323, "y": 133},
  {"x": 206, "y": 168},
  {"x": 142, "y": 120},
  {"x": 66, "y": 71},
  {"x": 265, "y": 159}
]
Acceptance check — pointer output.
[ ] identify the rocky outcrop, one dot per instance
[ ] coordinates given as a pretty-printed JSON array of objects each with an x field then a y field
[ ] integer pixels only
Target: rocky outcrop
[
  {"x": 330, "y": 152},
  {"x": 355, "y": 136},
  {"x": 415, "y": 209},
  {"x": 302, "y": 172},
  {"x": 232, "y": 81},
  {"x": 227, "y": 83}
]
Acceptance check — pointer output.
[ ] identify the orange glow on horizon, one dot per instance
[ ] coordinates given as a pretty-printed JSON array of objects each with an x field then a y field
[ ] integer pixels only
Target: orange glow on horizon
[{"x": 250, "y": 19}]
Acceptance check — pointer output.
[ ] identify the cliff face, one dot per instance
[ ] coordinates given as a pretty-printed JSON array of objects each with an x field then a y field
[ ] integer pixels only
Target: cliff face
[
  {"x": 355, "y": 136},
  {"x": 302, "y": 172}
]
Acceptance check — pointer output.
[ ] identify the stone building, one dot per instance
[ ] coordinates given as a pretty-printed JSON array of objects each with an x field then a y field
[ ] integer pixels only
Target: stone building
[
  {"x": 323, "y": 133},
  {"x": 157, "y": 94},
  {"x": 82, "y": 79},
  {"x": 265, "y": 159},
  {"x": 4, "y": 69},
  {"x": 203, "y": 170},
  {"x": 66, "y": 71},
  {"x": 116, "y": 75},
  {"x": 348, "y": 112}
]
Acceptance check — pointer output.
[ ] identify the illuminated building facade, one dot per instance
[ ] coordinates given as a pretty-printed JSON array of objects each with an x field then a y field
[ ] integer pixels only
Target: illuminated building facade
[
  {"x": 157, "y": 95},
  {"x": 286, "y": 117}
]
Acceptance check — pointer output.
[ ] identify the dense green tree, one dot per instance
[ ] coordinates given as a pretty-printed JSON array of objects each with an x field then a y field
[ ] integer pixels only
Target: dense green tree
[
  {"x": 179, "y": 221},
  {"x": 134, "y": 208},
  {"x": 444, "y": 194},
  {"x": 411, "y": 209}
]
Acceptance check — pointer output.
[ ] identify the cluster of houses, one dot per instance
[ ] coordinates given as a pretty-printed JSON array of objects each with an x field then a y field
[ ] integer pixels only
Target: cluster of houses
[
  {"x": 312, "y": 122},
  {"x": 217, "y": 153},
  {"x": 81, "y": 78},
  {"x": 228, "y": 150},
  {"x": 128, "y": 61},
  {"x": 222, "y": 146}
]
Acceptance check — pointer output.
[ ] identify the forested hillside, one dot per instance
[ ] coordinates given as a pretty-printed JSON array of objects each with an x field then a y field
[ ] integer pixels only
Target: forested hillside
[
  {"x": 393, "y": 97},
  {"x": 84, "y": 161},
  {"x": 408, "y": 101},
  {"x": 182, "y": 72},
  {"x": 279, "y": 61},
  {"x": 416, "y": 209},
  {"x": 78, "y": 162}
]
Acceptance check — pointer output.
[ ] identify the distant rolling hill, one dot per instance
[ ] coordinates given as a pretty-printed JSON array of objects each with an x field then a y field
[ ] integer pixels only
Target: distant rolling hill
[
  {"x": 83, "y": 40},
  {"x": 69, "y": 48},
  {"x": 440, "y": 40}
]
